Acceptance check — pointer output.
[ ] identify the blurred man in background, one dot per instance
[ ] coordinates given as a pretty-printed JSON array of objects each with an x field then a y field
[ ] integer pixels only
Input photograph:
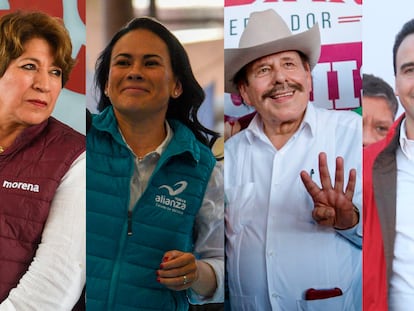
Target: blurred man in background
[{"x": 380, "y": 106}]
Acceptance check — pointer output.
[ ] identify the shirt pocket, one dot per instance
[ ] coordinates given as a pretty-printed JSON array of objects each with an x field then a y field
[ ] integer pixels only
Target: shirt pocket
[
  {"x": 328, "y": 304},
  {"x": 240, "y": 207}
]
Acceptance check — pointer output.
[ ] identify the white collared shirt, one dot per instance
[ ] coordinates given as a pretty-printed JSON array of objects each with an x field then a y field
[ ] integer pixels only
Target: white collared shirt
[
  {"x": 145, "y": 167},
  {"x": 401, "y": 295},
  {"x": 209, "y": 223},
  {"x": 275, "y": 251},
  {"x": 56, "y": 276}
]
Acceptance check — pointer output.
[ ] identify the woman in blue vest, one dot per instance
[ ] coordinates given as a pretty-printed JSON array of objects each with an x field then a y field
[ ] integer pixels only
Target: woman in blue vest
[{"x": 155, "y": 223}]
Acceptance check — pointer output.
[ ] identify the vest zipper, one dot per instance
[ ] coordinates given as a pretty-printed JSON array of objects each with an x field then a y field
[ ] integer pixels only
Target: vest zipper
[
  {"x": 118, "y": 262},
  {"x": 129, "y": 222}
]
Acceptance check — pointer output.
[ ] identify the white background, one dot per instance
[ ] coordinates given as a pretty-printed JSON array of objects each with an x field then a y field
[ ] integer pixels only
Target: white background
[{"x": 382, "y": 20}]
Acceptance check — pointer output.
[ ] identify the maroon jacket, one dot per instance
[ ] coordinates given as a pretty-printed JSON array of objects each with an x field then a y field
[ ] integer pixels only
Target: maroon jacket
[{"x": 30, "y": 172}]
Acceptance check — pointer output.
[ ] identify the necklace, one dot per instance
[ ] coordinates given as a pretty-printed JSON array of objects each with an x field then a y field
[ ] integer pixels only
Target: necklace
[{"x": 1, "y": 149}]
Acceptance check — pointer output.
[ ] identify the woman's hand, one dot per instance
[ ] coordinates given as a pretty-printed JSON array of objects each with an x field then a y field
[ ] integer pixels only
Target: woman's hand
[{"x": 180, "y": 271}]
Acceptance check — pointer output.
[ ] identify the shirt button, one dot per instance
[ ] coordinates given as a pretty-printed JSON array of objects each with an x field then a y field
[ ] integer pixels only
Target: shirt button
[
  {"x": 270, "y": 253},
  {"x": 274, "y": 295}
]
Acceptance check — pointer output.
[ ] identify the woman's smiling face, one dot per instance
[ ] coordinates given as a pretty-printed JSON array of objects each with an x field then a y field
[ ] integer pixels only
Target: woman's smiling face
[{"x": 140, "y": 75}]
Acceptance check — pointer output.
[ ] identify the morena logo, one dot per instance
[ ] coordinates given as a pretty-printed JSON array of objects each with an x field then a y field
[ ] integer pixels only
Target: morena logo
[{"x": 20, "y": 185}]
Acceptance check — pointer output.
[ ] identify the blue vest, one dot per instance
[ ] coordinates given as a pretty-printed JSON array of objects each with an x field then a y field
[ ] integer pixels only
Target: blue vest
[{"x": 121, "y": 268}]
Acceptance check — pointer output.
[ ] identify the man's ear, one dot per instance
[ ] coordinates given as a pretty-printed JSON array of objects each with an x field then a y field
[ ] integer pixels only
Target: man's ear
[{"x": 243, "y": 93}]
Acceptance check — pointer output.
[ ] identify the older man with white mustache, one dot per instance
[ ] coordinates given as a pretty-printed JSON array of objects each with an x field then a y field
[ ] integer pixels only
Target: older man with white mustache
[{"x": 293, "y": 234}]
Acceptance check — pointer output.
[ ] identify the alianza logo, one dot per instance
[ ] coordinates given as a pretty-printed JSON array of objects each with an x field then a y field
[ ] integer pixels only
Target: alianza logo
[
  {"x": 20, "y": 185},
  {"x": 181, "y": 187},
  {"x": 171, "y": 202}
]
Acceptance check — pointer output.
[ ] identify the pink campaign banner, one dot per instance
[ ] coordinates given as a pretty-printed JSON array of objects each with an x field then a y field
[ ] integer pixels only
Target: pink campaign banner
[
  {"x": 228, "y": 3},
  {"x": 345, "y": 59},
  {"x": 337, "y": 76}
]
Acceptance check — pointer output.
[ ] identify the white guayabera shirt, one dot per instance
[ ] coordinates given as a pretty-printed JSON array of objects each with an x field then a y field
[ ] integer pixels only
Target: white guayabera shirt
[{"x": 275, "y": 250}]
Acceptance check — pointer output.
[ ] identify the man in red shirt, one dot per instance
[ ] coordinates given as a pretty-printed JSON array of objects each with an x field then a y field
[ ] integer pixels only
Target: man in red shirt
[{"x": 388, "y": 256}]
